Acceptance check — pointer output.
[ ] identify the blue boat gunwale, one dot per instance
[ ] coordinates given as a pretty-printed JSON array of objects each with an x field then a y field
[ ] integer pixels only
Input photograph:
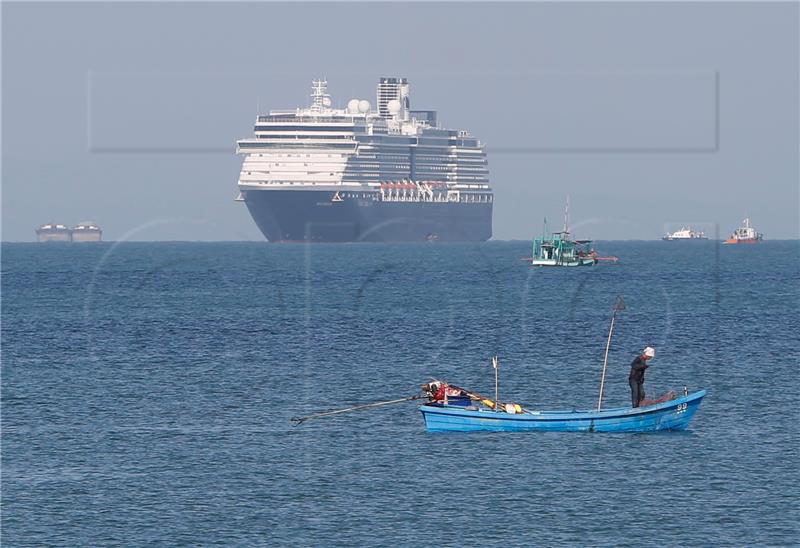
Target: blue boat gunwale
[{"x": 548, "y": 416}]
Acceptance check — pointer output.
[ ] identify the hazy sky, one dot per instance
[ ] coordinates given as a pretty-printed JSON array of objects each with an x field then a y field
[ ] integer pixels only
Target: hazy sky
[{"x": 649, "y": 115}]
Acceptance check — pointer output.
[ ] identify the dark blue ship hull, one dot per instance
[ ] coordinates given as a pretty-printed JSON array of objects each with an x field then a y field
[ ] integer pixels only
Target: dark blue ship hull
[{"x": 319, "y": 216}]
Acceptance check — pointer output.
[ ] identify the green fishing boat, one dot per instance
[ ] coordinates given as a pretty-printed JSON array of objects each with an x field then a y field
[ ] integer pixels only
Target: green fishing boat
[{"x": 559, "y": 250}]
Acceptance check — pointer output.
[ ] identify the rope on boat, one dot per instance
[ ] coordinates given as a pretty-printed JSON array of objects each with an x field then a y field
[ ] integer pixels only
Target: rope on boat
[{"x": 300, "y": 420}]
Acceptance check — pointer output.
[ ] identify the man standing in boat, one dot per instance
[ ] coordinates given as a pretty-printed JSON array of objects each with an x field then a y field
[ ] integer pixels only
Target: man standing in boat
[{"x": 636, "y": 377}]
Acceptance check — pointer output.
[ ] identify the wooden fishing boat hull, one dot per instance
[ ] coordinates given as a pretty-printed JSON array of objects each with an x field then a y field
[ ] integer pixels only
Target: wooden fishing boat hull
[
  {"x": 556, "y": 262},
  {"x": 671, "y": 415}
]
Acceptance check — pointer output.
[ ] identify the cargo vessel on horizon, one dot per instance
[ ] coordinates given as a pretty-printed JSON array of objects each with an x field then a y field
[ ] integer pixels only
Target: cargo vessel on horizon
[
  {"x": 86, "y": 231},
  {"x": 324, "y": 174},
  {"x": 53, "y": 232}
]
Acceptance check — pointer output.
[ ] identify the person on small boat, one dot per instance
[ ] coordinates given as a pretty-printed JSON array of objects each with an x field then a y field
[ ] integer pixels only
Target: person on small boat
[
  {"x": 439, "y": 392},
  {"x": 636, "y": 377},
  {"x": 435, "y": 391}
]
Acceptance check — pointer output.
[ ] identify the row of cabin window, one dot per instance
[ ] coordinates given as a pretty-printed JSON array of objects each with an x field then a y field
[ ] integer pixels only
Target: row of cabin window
[
  {"x": 307, "y": 173},
  {"x": 482, "y": 198},
  {"x": 303, "y": 155}
]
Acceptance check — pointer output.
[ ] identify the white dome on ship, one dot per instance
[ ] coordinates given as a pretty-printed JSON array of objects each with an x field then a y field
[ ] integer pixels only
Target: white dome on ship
[
  {"x": 352, "y": 105},
  {"x": 326, "y": 101},
  {"x": 393, "y": 106},
  {"x": 363, "y": 106}
]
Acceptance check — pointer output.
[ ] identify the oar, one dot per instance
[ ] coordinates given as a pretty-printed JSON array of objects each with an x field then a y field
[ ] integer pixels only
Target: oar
[{"x": 299, "y": 420}]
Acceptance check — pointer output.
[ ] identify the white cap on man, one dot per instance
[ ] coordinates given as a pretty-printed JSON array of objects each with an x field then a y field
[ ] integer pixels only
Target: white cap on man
[{"x": 650, "y": 352}]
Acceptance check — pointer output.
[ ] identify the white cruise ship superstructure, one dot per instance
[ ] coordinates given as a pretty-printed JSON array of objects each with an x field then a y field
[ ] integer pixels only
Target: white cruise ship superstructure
[{"x": 360, "y": 173}]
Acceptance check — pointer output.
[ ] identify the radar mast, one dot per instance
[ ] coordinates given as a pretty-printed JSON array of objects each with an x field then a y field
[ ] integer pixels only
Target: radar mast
[{"x": 320, "y": 100}]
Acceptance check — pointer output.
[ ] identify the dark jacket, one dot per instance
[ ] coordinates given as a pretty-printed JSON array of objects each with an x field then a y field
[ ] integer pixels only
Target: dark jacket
[{"x": 637, "y": 369}]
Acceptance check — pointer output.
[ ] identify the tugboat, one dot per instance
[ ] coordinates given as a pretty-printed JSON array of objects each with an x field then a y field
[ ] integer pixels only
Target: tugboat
[
  {"x": 745, "y": 234},
  {"x": 685, "y": 233}
]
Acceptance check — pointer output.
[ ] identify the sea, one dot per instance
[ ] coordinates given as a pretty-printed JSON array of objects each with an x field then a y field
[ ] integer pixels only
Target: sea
[{"x": 147, "y": 392}]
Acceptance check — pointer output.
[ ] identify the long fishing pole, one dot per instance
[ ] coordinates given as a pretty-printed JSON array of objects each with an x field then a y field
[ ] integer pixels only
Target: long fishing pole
[
  {"x": 496, "y": 383},
  {"x": 300, "y": 420},
  {"x": 619, "y": 305}
]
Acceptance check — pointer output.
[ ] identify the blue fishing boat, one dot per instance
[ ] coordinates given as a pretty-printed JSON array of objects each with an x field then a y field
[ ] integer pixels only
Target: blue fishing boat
[
  {"x": 669, "y": 412},
  {"x": 673, "y": 414},
  {"x": 450, "y": 408}
]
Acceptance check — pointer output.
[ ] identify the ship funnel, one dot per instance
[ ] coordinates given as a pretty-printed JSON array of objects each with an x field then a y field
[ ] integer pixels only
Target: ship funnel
[{"x": 390, "y": 90}]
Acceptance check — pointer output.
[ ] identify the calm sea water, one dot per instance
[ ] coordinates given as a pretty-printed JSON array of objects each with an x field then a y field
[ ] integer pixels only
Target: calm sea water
[{"x": 147, "y": 391}]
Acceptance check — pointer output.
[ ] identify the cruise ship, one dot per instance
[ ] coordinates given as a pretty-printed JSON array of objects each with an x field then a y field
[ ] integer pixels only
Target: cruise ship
[{"x": 358, "y": 173}]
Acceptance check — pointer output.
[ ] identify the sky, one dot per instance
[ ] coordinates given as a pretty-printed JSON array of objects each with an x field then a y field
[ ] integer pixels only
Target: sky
[{"x": 650, "y": 116}]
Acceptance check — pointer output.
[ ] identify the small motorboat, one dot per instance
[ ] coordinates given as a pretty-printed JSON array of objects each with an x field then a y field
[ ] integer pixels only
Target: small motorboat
[
  {"x": 450, "y": 408},
  {"x": 673, "y": 414},
  {"x": 669, "y": 412}
]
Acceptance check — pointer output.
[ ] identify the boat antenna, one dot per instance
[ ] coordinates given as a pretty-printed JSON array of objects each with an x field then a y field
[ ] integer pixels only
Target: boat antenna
[
  {"x": 566, "y": 217},
  {"x": 619, "y": 305},
  {"x": 496, "y": 382}
]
